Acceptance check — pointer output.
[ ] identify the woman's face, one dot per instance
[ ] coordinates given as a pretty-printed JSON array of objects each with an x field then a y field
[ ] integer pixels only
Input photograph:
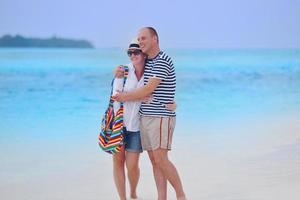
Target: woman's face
[{"x": 136, "y": 56}]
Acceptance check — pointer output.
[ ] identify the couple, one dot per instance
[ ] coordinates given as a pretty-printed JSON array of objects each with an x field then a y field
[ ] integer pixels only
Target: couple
[{"x": 149, "y": 125}]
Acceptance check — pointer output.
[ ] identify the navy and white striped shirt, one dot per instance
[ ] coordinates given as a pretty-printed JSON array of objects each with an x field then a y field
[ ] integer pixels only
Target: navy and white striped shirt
[{"x": 160, "y": 67}]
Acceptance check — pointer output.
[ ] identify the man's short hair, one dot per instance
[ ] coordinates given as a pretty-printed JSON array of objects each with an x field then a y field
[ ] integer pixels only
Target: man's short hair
[{"x": 153, "y": 32}]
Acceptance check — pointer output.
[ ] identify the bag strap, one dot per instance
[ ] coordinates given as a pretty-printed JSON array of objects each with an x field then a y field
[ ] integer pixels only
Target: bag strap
[
  {"x": 126, "y": 72},
  {"x": 111, "y": 100}
]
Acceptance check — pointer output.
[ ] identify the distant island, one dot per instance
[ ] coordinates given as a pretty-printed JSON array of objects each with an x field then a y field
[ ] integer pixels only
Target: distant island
[{"x": 53, "y": 42}]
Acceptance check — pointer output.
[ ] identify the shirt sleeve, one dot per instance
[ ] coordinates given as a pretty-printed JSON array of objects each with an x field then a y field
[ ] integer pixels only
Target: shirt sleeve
[
  {"x": 117, "y": 86},
  {"x": 160, "y": 69}
]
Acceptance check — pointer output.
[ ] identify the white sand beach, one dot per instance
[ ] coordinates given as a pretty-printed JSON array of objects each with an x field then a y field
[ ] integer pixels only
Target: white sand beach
[{"x": 249, "y": 161}]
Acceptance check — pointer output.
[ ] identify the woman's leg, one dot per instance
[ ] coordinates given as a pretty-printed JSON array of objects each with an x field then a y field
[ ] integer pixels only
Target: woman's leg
[
  {"x": 119, "y": 173},
  {"x": 133, "y": 172}
]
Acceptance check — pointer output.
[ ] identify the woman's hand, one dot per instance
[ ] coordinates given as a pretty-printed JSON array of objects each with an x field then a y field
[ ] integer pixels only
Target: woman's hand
[
  {"x": 147, "y": 99},
  {"x": 171, "y": 106},
  {"x": 119, "y": 71}
]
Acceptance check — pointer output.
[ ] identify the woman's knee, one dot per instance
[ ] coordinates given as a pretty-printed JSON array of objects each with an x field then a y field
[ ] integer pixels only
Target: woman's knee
[
  {"x": 132, "y": 167},
  {"x": 118, "y": 160},
  {"x": 132, "y": 161}
]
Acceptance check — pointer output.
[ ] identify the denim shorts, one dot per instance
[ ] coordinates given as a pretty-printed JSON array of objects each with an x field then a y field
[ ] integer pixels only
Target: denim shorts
[{"x": 133, "y": 141}]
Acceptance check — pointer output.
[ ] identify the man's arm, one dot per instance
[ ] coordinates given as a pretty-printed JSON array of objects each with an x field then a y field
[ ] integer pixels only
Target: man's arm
[{"x": 139, "y": 93}]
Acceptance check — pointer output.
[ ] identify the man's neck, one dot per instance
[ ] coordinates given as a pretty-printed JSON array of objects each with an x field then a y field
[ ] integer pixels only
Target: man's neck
[{"x": 153, "y": 53}]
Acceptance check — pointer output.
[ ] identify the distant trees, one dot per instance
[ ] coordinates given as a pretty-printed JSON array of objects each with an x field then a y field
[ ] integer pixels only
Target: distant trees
[{"x": 53, "y": 42}]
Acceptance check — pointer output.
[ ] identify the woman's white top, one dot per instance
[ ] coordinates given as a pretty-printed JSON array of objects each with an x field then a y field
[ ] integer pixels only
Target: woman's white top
[{"x": 131, "y": 108}]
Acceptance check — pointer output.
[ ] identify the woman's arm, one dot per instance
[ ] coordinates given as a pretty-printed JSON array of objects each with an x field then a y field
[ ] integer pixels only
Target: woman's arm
[{"x": 117, "y": 86}]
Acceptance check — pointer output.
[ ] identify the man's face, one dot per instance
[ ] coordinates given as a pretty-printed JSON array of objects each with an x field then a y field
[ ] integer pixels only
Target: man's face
[{"x": 145, "y": 40}]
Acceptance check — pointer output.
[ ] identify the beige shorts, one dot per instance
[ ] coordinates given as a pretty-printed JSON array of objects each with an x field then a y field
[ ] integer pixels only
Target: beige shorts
[{"x": 157, "y": 132}]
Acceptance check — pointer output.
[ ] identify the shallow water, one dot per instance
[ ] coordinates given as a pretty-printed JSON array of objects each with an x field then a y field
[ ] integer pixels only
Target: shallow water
[{"x": 69, "y": 88}]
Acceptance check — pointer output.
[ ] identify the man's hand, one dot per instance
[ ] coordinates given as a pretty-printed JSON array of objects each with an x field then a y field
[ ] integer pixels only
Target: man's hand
[{"x": 119, "y": 71}]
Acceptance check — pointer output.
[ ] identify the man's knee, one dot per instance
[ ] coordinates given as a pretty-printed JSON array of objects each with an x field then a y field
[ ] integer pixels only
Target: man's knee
[{"x": 160, "y": 158}]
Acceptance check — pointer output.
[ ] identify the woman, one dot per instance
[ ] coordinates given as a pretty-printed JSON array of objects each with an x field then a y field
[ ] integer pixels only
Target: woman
[{"x": 130, "y": 153}]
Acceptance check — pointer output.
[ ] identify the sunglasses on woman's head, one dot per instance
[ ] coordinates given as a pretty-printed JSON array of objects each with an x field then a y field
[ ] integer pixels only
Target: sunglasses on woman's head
[{"x": 135, "y": 52}]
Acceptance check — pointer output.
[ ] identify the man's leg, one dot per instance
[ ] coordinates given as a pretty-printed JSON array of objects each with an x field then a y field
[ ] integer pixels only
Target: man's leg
[
  {"x": 169, "y": 171},
  {"x": 119, "y": 173},
  {"x": 133, "y": 171},
  {"x": 160, "y": 180}
]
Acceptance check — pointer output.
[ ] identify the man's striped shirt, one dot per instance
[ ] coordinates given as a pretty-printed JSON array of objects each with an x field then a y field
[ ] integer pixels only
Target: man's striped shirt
[{"x": 160, "y": 67}]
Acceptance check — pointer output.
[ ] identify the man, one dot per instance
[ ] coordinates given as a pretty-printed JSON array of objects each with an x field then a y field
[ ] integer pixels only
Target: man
[{"x": 157, "y": 123}]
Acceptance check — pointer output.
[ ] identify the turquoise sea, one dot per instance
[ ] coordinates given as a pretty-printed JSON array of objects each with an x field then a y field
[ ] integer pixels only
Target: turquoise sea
[
  {"x": 58, "y": 93},
  {"x": 52, "y": 101}
]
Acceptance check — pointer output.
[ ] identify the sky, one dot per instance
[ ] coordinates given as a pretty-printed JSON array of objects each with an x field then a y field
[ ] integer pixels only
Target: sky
[{"x": 180, "y": 23}]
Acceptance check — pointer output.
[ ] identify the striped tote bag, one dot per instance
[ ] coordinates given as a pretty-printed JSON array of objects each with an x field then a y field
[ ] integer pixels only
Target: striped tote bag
[{"x": 111, "y": 136}]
